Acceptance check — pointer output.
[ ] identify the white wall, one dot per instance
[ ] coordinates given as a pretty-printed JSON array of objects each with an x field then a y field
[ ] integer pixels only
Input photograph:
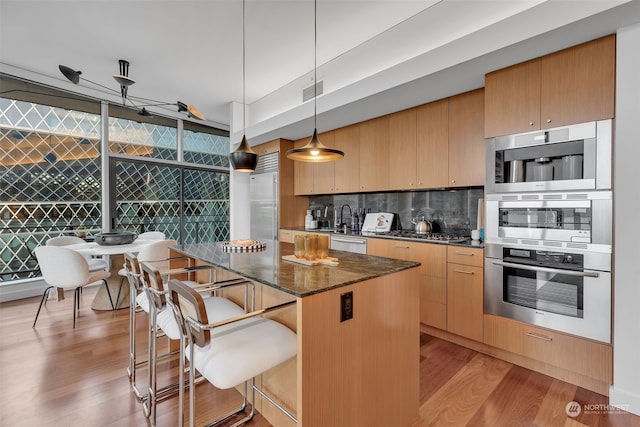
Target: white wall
[{"x": 626, "y": 333}]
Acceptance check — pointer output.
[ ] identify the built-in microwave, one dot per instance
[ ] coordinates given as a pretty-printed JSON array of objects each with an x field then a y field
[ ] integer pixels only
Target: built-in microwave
[
  {"x": 567, "y": 220},
  {"x": 575, "y": 157}
]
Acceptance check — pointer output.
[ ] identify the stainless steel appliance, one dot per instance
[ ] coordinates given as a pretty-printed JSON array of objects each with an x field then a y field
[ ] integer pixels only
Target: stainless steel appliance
[
  {"x": 263, "y": 191},
  {"x": 568, "y": 291},
  {"x": 429, "y": 237},
  {"x": 575, "y": 157},
  {"x": 349, "y": 244},
  {"x": 555, "y": 220}
]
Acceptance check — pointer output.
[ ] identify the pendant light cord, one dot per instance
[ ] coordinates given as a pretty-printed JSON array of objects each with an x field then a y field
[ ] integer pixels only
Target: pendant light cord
[
  {"x": 315, "y": 63},
  {"x": 244, "y": 109}
]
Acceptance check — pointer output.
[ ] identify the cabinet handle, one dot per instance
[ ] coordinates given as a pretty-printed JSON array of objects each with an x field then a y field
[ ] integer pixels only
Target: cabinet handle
[
  {"x": 540, "y": 337},
  {"x": 530, "y": 123},
  {"x": 453, "y": 181},
  {"x": 401, "y": 247},
  {"x": 465, "y": 254},
  {"x": 464, "y": 272},
  {"x": 548, "y": 120}
]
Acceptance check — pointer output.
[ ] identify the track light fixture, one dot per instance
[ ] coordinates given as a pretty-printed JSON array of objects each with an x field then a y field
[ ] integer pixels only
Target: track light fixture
[
  {"x": 125, "y": 81},
  {"x": 243, "y": 159}
]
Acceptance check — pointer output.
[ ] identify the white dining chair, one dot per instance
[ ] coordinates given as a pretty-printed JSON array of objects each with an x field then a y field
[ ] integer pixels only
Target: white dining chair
[
  {"x": 227, "y": 353},
  {"x": 66, "y": 269},
  {"x": 95, "y": 264},
  {"x": 152, "y": 235}
]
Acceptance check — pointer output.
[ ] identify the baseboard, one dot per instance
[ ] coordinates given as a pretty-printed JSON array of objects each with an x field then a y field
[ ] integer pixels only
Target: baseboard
[
  {"x": 624, "y": 400},
  {"x": 19, "y": 289}
]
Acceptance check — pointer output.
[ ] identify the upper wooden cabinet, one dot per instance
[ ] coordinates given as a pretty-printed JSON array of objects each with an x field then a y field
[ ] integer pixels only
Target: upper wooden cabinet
[
  {"x": 402, "y": 150},
  {"x": 314, "y": 178},
  {"x": 347, "y": 170},
  {"x": 466, "y": 142},
  {"x": 432, "y": 144},
  {"x": 574, "y": 85},
  {"x": 374, "y": 159}
]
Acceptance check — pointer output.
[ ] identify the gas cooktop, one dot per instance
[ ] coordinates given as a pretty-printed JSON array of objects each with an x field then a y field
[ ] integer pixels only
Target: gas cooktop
[{"x": 431, "y": 237}]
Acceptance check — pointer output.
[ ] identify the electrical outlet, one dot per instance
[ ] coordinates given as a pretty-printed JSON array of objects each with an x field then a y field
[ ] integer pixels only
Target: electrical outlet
[{"x": 346, "y": 306}]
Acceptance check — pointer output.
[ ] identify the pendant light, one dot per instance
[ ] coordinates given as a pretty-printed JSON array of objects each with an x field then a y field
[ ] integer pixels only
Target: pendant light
[
  {"x": 243, "y": 159},
  {"x": 314, "y": 150}
]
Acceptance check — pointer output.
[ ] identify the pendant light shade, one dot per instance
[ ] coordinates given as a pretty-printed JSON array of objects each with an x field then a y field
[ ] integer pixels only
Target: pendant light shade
[
  {"x": 244, "y": 159},
  {"x": 315, "y": 151}
]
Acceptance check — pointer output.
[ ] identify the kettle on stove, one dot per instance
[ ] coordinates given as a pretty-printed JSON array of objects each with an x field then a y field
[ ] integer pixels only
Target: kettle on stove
[{"x": 422, "y": 227}]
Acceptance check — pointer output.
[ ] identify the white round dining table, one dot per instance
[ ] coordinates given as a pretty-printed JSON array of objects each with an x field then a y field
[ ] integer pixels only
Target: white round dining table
[{"x": 101, "y": 300}]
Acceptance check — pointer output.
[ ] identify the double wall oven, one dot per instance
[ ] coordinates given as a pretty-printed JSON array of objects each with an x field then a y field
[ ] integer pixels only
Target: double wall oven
[{"x": 548, "y": 251}]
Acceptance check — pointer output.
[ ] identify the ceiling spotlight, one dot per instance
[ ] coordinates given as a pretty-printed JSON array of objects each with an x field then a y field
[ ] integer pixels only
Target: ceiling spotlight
[
  {"x": 123, "y": 78},
  {"x": 191, "y": 110},
  {"x": 144, "y": 112},
  {"x": 70, "y": 73}
]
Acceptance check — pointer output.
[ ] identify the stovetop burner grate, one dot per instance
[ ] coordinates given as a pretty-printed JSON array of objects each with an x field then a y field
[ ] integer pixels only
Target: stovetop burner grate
[{"x": 433, "y": 237}]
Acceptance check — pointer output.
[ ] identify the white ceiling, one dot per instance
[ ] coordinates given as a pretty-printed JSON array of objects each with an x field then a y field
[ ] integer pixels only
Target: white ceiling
[{"x": 374, "y": 56}]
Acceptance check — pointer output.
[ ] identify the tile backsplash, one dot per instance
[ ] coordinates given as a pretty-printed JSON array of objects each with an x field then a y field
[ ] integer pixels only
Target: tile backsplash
[{"x": 450, "y": 211}]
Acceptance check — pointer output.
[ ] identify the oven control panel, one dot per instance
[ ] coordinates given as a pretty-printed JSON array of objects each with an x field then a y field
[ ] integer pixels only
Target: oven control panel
[{"x": 543, "y": 258}]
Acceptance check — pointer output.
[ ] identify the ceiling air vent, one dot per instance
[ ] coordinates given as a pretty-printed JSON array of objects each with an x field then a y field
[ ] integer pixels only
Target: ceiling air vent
[{"x": 312, "y": 91}]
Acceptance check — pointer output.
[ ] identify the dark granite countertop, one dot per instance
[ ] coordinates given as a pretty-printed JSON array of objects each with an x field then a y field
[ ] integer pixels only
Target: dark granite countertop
[
  {"x": 467, "y": 243},
  {"x": 269, "y": 268}
]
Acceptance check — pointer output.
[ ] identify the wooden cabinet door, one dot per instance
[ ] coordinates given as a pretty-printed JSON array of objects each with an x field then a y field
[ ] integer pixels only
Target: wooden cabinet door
[
  {"x": 578, "y": 84},
  {"x": 402, "y": 150},
  {"x": 302, "y": 173},
  {"x": 374, "y": 154},
  {"x": 465, "y": 301},
  {"x": 466, "y": 139},
  {"x": 512, "y": 99},
  {"x": 324, "y": 172},
  {"x": 432, "y": 144},
  {"x": 347, "y": 170}
]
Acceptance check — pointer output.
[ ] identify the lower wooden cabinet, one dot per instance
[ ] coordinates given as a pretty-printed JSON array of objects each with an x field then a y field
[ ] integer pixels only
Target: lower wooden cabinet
[
  {"x": 465, "y": 292},
  {"x": 589, "y": 358},
  {"x": 432, "y": 274}
]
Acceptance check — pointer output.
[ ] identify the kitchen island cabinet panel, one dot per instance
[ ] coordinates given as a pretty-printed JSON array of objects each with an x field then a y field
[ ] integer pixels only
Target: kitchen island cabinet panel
[
  {"x": 347, "y": 363},
  {"x": 466, "y": 142}
]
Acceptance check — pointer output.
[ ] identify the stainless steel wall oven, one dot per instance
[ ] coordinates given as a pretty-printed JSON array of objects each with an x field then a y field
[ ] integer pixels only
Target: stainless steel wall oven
[{"x": 561, "y": 290}]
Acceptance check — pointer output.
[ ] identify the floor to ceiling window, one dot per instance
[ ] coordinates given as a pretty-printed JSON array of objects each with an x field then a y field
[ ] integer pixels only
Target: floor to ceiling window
[{"x": 51, "y": 177}]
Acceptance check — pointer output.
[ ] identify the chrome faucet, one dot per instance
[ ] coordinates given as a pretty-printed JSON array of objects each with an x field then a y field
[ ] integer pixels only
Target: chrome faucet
[{"x": 342, "y": 223}]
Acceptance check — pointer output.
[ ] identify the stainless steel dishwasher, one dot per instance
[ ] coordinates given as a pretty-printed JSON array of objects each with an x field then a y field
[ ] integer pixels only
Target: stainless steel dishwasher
[{"x": 349, "y": 244}]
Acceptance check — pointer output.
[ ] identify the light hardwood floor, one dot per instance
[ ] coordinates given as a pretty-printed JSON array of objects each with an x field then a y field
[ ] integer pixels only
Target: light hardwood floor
[{"x": 57, "y": 376}]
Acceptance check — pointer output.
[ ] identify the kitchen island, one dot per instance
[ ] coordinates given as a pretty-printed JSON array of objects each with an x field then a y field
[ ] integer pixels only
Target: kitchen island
[{"x": 362, "y": 371}]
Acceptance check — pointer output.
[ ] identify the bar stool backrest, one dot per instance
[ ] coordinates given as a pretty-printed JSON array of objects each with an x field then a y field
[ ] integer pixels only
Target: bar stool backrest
[{"x": 190, "y": 304}]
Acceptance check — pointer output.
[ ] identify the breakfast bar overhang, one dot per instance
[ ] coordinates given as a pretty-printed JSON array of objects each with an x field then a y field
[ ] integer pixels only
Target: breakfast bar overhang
[{"x": 362, "y": 371}]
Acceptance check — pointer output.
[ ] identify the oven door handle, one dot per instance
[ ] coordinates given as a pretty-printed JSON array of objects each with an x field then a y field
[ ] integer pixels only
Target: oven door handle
[{"x": 548, "y": 270}]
